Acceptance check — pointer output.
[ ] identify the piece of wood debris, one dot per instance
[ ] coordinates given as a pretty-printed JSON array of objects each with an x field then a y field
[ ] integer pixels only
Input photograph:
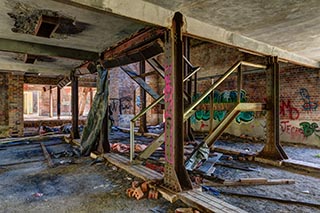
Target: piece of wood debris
[
  {"x": 255, "y": 181},
  {"x": 47, "y": 155}
]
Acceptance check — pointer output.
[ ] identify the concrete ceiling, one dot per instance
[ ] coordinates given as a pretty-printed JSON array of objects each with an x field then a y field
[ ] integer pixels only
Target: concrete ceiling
[
  {"x": 289, "y": 29},
  {"x": 100, "y": 31},
  {"x": 293, "y": 25}
]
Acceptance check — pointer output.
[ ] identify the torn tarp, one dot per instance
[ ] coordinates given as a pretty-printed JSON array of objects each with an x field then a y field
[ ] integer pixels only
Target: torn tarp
[
  {"x": 91, "y": 132},
  {"x": 198, "y": 157}
]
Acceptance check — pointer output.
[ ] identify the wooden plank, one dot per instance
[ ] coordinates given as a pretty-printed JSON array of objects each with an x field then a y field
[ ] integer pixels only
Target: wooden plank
[
  {"x": 198, "y": 204},
  {"x": 253, "y": 180},
  {"x": 238, "y": 183},
  {"x": 308, "y": 167},
  {"x": 137, "y": 170},
  {"x": 145, "y": 154},
  {"x": 168, "y": 194},
  {"x": 206, "y": 202},
  {"x": 47, "y": 155},
  {"x": 209, "y": 198}
]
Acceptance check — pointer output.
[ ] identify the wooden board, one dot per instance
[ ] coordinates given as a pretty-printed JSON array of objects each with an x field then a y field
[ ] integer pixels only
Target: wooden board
[
  {"x": 239, "y": 183},
  {"x": 302, "y": 165},
  {"x": 137, "y": 170},
  {"x": 207, "y": 203}
]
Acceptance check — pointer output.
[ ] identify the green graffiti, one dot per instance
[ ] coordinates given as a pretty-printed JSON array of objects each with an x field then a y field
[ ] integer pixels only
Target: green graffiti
[
  {"x": 223, "y": 97},
  {"x": 202, "y": 115},
  {"x": 309, "y": 128},
  {"x": 245, "y": 117}
]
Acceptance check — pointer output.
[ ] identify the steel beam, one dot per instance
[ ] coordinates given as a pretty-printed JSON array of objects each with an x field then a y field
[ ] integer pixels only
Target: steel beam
[
  {"x": 272, "y": 149},
  {"x": 143, "y": 101},
  {"x": 176, "y": 177},
  {"x": 58, "y": 102},
  {"x": 17, "y": 46},
  {"x": 188, "y": 87},
  {"x": 33, "y": 68},
  {"x": 75, "y": 107}
]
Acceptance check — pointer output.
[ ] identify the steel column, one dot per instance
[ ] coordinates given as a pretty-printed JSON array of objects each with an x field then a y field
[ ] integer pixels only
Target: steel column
[
  {"x": 75, "y": 107},
  {"x": 143, "y": 101},
  {"x": 176, "y": 177},
  {"x": 50, "y": 102},
  {"x": 272, "y": 149},
  {"x": 188, "y": 87},
  {"x": 58, "y": 102}
]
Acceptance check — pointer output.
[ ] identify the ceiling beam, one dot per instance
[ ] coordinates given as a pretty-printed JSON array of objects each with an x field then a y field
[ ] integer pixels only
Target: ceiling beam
[
  {"x": 18, "y": 46},
  {"x": 32, "y": 68},
  {"x": 153, "y": 14}
]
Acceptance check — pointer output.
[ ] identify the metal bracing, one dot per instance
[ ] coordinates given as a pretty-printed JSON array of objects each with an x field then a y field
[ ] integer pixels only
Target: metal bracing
[
  {"x": 272, "y": 149},
  {"x": 175, "y": 176},
  {"x": 188, "y": 85}
]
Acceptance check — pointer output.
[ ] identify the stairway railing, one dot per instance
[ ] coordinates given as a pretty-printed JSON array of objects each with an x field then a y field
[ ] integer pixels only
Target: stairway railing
[
  {"x": 188, "y": 111},
  {"x": 135, "y": 118}
]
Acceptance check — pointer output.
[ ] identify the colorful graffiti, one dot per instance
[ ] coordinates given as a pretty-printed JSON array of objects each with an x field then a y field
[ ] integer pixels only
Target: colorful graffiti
[
  {"x": 293, "y": 131},
  {"x": 310, "y": 129},
  {"x": 219, "y": 115},
  {"x": 287, "y": 110},
  {"x": 308, "y": 105}
]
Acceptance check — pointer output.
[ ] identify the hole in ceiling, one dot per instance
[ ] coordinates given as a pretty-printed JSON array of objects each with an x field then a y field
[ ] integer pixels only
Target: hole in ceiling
[{"x": 26, "y": 19}]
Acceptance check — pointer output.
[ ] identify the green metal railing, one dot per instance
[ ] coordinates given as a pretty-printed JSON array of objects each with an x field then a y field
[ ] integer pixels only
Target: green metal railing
[
  {"x": 133, "y": 120},
  {"x": 188, "y": 111}
]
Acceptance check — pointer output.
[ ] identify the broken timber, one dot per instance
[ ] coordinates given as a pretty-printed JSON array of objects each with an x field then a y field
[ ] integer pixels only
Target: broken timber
[{"x": 47, "y": 155}]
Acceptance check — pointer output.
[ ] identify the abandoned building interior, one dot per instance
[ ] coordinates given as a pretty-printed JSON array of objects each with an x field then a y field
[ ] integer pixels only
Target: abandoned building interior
[{"x": 159, "y": 106}]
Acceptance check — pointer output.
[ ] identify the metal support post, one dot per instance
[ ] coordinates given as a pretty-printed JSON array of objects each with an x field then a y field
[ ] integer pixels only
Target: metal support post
[
  {"x": 143, "y": 120},
  {"x": 58, "y": 102},
  {"x": 272, "y": 149},
  {"x": 188, "y": 88},
  {"x": 75, "y": 107},
  {"x": 50, "y": 102},
  {"x": 240, "y": 81},
  {"x": 175, "y": 177}
]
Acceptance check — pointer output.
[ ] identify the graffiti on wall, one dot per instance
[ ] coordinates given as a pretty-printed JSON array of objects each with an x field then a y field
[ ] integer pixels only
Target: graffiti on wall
[
  {"x": 309, "y": 129},
  {"x": 219, "y": 115},
  {"x": 120, "y": 106},
  {"x": 308, "y": 105},
  {"x": 301, "y": 132},
  {"x": 289, "y": 111},
  {"x": 287, "y": 128}
]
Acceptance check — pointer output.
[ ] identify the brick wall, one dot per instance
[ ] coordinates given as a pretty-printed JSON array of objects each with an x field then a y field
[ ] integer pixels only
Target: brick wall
[
  {"x": 15, "y": 104},
  {"x": 124, "y": 97},
  {"x": 299, "y": 96}
]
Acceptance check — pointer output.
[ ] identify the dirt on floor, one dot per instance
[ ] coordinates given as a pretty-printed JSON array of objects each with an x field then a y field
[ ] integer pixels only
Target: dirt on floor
[
  {"x": 80, "y": 184},
  {"x": 75, "y": 184}
]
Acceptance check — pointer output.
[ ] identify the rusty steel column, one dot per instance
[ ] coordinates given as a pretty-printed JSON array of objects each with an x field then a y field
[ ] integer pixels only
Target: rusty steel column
[
  {"x": 273, "y": 150},
  {"x": 50, "y": 102},
  {"x": 75, "y": 107},
  {"x": 188, "y": 88},
  {"x": 143, "y": 120},
  {"x": 58, "y": 102},
  {"x": 175, "y": 176}
]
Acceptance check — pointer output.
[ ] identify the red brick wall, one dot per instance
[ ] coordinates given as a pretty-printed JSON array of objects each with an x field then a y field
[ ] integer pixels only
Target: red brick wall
[{"x": 15, "y": 104}]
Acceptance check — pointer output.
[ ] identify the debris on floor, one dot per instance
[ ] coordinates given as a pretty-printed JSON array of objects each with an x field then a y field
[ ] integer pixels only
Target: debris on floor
[{"x": 143, "y": 190}]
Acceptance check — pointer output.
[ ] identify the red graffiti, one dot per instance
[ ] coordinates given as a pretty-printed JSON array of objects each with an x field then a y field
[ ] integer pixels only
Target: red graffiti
[
  {"x": 288, "y": 111},
  {"x": 169, "y": 125},
  {"x": 294, "y": 132}
]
